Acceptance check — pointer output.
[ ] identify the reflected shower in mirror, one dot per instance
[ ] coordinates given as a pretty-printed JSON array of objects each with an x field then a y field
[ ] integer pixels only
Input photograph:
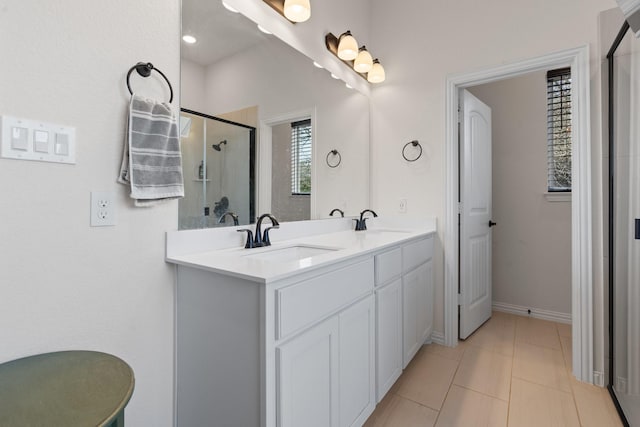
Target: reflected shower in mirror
[
  {"x": 218, "y": 159},
  {"x": 624, "y": 227}
]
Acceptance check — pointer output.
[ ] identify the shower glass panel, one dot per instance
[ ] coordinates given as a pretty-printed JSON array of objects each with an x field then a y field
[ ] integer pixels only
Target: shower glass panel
[
  {"x": 625, "y": 156},
  {"x": 218, "y": 158}
]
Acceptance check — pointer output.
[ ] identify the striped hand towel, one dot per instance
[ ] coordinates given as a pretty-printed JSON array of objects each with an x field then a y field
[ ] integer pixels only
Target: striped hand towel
[{"x": 151, "y": 159}]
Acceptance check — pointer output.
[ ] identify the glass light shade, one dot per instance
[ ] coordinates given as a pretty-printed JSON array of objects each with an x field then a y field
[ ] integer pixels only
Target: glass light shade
[
  {"x": 364, "y": 61},
  {"x": 376, "y": 75},
  {"x": 297, "y": 10},
  {"x": 347, "y": 47}
]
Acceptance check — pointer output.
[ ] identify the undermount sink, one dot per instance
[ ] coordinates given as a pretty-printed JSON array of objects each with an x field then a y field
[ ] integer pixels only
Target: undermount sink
[{"x": 290, "y": 253}]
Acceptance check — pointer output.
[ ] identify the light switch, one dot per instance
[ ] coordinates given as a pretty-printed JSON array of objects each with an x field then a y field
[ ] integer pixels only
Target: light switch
[
  {"x": 62, "y": 144},
  {"x": 19, "y": 138},
  {"x": 41, "y": 141}
]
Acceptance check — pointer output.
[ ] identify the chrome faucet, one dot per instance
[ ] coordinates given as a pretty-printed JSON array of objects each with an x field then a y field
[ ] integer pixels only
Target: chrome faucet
[
  {"x": 361, "y": 224},
  {"x": 263, "y": 239},
  {"x": 337, "y": 210},
  {"x": 231, "y": 214}
]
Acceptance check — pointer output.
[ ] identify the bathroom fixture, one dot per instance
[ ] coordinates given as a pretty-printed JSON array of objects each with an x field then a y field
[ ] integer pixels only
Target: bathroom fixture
[
  {"x": 413, "y": 143},
  {"x": 334, "y": 153},
  {"x": 218, "y": 146},
  {"x": 144, "y": 69},
  {"x": 293, "y": 10},
  {"x": 231, "y": 214},
  {"x": 249, "y": 243},
  {"x": 189, "y": 39},
  {"x": 337, "y": 210},
  {"x": 359, "y": 60},
  {"x": 361, "y": 224},
  {"x": 263, "y": 240},
  {"x": 363, "y": 62}
]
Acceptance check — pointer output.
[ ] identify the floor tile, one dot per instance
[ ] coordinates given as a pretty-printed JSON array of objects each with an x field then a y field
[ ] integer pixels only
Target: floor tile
[
  {"x": 497, "y": 334},
  {"x": 485, "y": 372},
  {"x": 537, "y": 332},
  {"x": 448, "y": 352},
  {"x": 564, "y": 330},
  {"x": 595, "y": 407},
  {"x": 464, "y": 407},
  {"x": 427, "y": 379},
  {"x": 395, "y": 411},
  {"x": 535, "y": 405},
  {"x": 541, "y": 365}
]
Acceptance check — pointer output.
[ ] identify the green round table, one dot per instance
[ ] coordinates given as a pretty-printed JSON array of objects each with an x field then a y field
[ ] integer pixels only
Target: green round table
[{"x": 66, "y": 389}]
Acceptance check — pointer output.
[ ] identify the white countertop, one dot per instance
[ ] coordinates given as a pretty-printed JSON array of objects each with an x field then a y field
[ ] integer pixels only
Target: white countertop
[{"x": 338, "y": 246}]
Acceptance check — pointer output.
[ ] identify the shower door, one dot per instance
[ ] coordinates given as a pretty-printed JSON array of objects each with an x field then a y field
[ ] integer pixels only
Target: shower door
[
  {"x": 625, "y": 228},
  {"x": 218, "y": 160}
]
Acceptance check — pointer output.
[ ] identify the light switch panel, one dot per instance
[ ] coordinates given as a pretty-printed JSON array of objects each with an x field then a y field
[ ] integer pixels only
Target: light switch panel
[{"x": 24, "y": 139}]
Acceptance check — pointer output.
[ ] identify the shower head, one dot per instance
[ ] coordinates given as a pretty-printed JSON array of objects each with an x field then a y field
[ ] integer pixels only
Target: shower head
[{"x": 218, "y": 146}]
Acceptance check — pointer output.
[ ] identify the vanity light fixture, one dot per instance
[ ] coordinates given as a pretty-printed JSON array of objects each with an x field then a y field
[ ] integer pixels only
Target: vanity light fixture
[
  {"x": 229, "y": 8},
  {"x": 360, "y": 60},
  {"x": 363, "y": 61},
  {"x": 188, "y": 39},
  {"x": 377, "y": 74},
  {"x": 347, "y": 46},
  {"x": 293, "y": 10}
]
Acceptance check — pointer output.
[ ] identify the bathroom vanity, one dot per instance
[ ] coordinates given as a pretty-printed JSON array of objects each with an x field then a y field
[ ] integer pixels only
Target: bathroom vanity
[{"x": 311, "y": 331}]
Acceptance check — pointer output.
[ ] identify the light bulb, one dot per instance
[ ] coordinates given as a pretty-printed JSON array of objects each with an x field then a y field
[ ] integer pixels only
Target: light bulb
[
  {"x": 347, "y": 47},
  {"x": 363, "y": 62},
  {"x": 297, "y": 10},
  {"x": 377, "y": 74}
]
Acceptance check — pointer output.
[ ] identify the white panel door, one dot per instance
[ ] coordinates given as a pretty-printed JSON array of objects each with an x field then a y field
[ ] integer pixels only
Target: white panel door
[
  {"x": 307, "y": 388},
  {"x": 357, "y": 354},
  {"x": 475, "y": 216},
  {"x": 389, "y": 336}
]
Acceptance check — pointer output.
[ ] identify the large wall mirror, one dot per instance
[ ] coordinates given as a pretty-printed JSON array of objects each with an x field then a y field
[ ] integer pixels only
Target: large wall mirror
[{"x": 259, "y": 122}]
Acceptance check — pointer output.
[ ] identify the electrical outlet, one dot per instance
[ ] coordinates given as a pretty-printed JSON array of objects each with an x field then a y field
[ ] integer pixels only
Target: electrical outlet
[
  {"x": 402, "y": 206},
  {"x": 103, "y": 212}
]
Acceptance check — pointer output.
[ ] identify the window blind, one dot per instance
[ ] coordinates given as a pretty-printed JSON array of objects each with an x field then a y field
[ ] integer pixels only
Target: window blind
[
  {"x": 301, "y": 157},
  {"x": 559, "y": 130}
]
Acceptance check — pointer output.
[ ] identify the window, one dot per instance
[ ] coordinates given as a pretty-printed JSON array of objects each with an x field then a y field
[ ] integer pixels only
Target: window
[
  {"x": 301, "y": 157},
  {"x": 559, "y": 130}
]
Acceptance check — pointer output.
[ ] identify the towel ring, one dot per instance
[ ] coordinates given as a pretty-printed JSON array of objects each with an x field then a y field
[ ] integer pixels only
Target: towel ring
[
  {"x": 414, "y": 143},
  {"x": 335, "y": 153},
  {"x": 144, "y": 69}
]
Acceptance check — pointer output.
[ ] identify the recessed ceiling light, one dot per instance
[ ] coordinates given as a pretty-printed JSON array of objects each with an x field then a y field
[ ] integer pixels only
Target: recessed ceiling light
[
  {"x": 334, "y": 76},
  {"x": 315, "y": 64},
  {"x": 264, "y": 30},
  {"x": 189, "y": 39},
  {"x": 229, "y": 8}
]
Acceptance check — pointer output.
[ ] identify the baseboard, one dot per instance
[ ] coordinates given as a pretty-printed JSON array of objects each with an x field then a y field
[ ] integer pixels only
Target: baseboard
[
  {"x": 553, "y": 316},
  {"x": 437, "y": 338}
]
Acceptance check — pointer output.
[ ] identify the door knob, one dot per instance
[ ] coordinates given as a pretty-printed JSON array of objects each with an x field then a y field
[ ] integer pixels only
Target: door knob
[{"x": 491, "y": 223}]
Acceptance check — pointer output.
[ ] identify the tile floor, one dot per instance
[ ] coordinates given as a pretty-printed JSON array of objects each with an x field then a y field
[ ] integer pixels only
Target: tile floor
[{"x": 513, "y": 371}]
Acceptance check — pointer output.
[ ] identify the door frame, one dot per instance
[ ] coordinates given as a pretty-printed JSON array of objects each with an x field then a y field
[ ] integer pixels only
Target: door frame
[{"x": 581, "y": 204}]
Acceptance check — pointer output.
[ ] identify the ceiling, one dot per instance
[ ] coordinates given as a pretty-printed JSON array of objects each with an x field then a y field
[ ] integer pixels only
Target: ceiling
[{"x": 219, "y": 32}]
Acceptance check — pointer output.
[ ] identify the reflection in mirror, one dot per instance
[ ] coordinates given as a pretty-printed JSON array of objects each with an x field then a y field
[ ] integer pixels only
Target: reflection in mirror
[
  {"x": 218, "y": 158},
  {"x": 238, "y": 73},
  {"x": 624, "y": 243}
]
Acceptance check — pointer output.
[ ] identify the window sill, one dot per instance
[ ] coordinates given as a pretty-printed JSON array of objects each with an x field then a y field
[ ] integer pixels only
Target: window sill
[{"x": 560, "y": 196}]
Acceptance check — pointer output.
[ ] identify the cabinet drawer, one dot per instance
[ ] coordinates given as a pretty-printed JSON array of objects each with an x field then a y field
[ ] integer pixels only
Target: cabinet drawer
[
  {"x": 388, "y": 266},
  {"x": 416, "y": 253},
  {"x": 306, "y": 302}
]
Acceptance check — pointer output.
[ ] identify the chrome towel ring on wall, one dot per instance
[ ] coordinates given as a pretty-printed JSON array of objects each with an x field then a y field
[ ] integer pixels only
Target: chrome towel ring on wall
[
  {"x": 144, "y": 69},
  {"x": 413, "y": 143},
  {"x": 335, "y": 153}
]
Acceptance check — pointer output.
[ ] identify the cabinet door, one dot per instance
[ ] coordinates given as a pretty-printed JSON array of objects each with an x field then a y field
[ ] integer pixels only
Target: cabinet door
[
  {"x": 307, "y": 373},
  {"x": 417, "y": 309},
  {"x": 357, "y": 368},
  {"x": 389, "y": 336}
]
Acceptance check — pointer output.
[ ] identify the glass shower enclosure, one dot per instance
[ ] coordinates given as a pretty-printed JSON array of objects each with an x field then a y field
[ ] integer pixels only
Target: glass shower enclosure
[{"x": 218, "y": 161}]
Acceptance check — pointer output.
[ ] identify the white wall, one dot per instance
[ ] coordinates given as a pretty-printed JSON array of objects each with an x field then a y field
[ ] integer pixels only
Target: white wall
[
  {"x": 423, "y": 42},
  {"x": 192, "y": 80},
  {"x": 65, "y": 285},
  {"x": 531, "y": 257}
]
